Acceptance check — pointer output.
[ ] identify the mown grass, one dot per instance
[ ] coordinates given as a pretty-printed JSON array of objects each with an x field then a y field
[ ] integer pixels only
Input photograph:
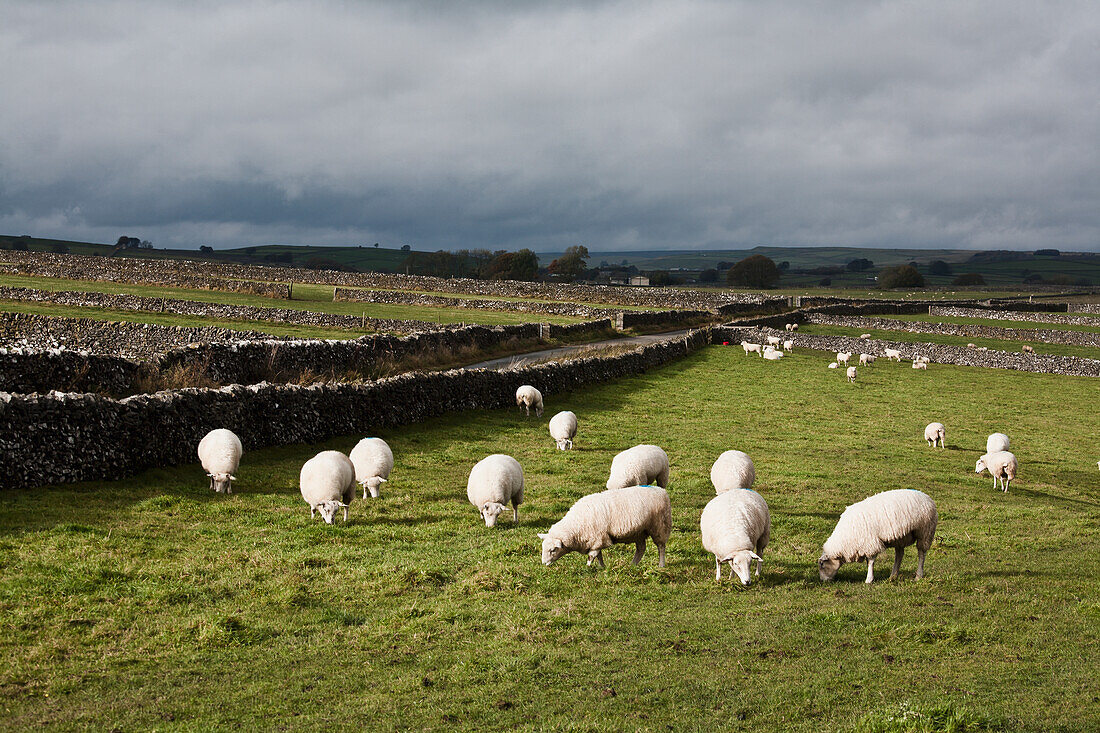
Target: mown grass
[
  {"x": 150, "y": 602},
  {"x": 1041, "y": 347}
]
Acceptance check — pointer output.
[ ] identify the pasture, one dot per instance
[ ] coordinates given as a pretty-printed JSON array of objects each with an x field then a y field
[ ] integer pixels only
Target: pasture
[{"x": 153, "y": 603}]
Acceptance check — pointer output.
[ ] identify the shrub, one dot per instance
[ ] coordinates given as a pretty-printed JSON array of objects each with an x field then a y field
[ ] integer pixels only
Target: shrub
[
  {"x": 756, "y": 271},
  {"x": 969, "y": 278},
  {"x": 902, "y": 276}
]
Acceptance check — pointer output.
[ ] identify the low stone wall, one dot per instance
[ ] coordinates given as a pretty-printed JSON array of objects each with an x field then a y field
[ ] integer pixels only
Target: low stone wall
[
  {"x": 1047, "y": 336},
  {"x": 26, "y": 370},
  {"x": 582, "y": 330},
  {"x": 661, "y": 319},
  {"x": 393, "y": 297},
  {"x": 1015, "y": 315},
  {"x": 61, "y": 438},
  {"x": 1083, "y": 307}
]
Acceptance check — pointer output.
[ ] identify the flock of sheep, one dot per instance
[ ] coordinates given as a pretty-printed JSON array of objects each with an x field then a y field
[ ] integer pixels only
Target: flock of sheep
[{"x": 735, "y": 524}]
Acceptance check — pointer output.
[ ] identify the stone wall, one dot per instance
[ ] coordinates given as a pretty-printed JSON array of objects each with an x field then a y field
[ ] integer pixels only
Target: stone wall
[
  {"x": 1015, "y": 315},
  {"x": 25, "y": 370},
  {"x": 1047, "y": 336},
  {"x": 394, "y": 297},
  {"x": 1084, "y": 307},
  {"x": 652, "y": 320},
  {"x": 61, "y": 438}
]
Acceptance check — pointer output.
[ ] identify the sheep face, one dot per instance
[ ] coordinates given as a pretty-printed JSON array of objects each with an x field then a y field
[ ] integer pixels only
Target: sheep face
[
  {"x": 980, "y": 465},
  {"x": 741, "y": 563},
  {"x": 827, "y": 568},
  {"x": 552, "y": 549},
  {"x": 222, "y": 482},
  {"x": 564, "y": 444},
  {"x": 489, "y": 511},
  {"x": 373, "y": 486},
  {"x": 329, "y": 510}
]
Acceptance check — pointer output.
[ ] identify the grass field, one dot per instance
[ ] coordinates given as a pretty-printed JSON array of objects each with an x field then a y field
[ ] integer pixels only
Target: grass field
[
  {"x": 1088, "y": 352},
  {"x": 152, "y": 603}
]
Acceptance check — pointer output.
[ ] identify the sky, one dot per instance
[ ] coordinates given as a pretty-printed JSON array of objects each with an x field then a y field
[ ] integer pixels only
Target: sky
[{"x": 617, "y": 125}]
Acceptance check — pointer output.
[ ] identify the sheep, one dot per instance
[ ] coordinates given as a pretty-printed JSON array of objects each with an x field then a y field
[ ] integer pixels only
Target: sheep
[
  {"x": 641, "y": 465},
  {"x": 922, "y": 359},
  {"x": 842, "y": 357},
  {"x": 597, "y": 521},
  {"x": 373, "y": 461},
  {"x": 774, "y": 340},
  {"x": 749, "y": 348},
  {"x": 788, "y": 345},
  {"x": 494, "y": 482},
  {"x": 528, "y": 397},
  {"x": 220, "y": 455},
  {"x": 896, "y": 518},
  {"x": 794, "y": 326},
  {"x": 788, "y": 326},
  {"x": 866, "y": 359},
  {"x": 736, "y": 527},
  {"x": 920, "y": 365},
  {"x": 971, "y": 346},
  {"x": 833, "y": 365},
  {"x": 996, "y": 443},
  {"x": 865, "y": 336},
  {"x": 1028, "y": 349},
  {"x": 773, "y": 355},
  {"x": 733, "y": 470},
  {"x": 328, "y": 484},
  {"x": 1002, "y": 465},
  {"x": 563, "y": 428},
  {"x": 894, "y": 354},
  {"x": 935, "y": 431},
  {"x": 851, "y": 374}
]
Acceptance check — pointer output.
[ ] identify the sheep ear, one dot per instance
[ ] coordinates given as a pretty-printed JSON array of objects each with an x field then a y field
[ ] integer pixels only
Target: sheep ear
[
  {"x": 754, "y": 556},
  {"x": 381, "y": 480},
  {"x": 232, "y": 477},
  {"x": 543, "y": 535},
  {"x": 342, "y": 505}
]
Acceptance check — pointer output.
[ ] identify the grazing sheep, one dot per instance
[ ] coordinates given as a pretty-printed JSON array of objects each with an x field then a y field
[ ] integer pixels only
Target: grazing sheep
[
  {"x": 1002, "y": 465},
  {"x": 220, "y": 454},
  {"x": 528, "y": 397},
  {"x": 774, "y": 340},
  {"x": 373, "y": 461},
  {"x": 865, "y": 335},
  {"x": 920, "y": 365},
  {"x": 328, "y": 484},
  {"x": 788, "y": 326},
  {"x": 736, "y": 527},
  {"x": 749, "y": 348},
  {"x": 996, "y": 443},
  {"x": 833, "y": 365},
  {"x": 1028, "y": 349},
  {"x": 866, "y": 359},
  {"x": 773, "y": 355},
  {"x": 641, "y": 465},
  {"x": 851, "y": 374},
  {"x": 935, "y": 431},
  {"x": 788, "y": 345},
  {"x": 794, "y": 326},
  {"x": 733, "y": 470},
  {"x": 842, "y": 357},
  {"x": 597, "y": 521},
  {"x": 894, "y": 354},
  {"x": 563, "y": 428},
  {"x": 495, "y": 481},
  {"x": 971, "y": 346},
  {"x": 897, "y": 519},
  {"x": 922, "y": 359}
]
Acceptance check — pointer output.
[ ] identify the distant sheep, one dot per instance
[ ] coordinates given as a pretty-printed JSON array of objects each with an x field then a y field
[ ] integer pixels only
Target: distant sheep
[
  {"x": 834, "y": 365},
  {"x": 736, "y": 527},
  {"x": 774, "y": 340},
  {"x": 773, "y": 355},
  {"x": 642, "y": 465},
  {"x": 788, "y": 326},
  {"x": 996, "y": 442},
  {"x": 373, "y": 461},
  {"x": 1027, "y": 349},
  {"x": 920, "y": 365},
  {"x": 496, "y": 481},
  {"x": 529, "y": 398},
  {"x": 788, "y": 345},
  {"x": 865, "y": 335},
  {"x": 733, "y": 470},
  {"x": 922, "y": 359},
  {"x": 750, "y": 348},
  {"x": 895, "y": 519},
  {"x": 563, "y": 428},
  {"x": 220, "y": 455},
  {"x": 894, "y": 354},
  {"x": 327, "y": 482},
  {"x": 866, "y": 359},
  {"x": 597, "y": 521},
  {"x": 851, "y": 374},
  {"x": 971, "y": 346},
  {"x": 1002, "y": 465},
  {"x": 794, "y": 326},
  {"x": 842, "y": 357},
  {"x": 935, "y": 431}
]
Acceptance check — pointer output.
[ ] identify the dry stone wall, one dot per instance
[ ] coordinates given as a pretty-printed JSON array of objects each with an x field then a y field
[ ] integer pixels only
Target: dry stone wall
[
  {"x": 1084, "y": 308},
  {"x": 394, "y": 297},
  {"x": 1047, "y": 336},
  {"x": 1015, "y": 315}
]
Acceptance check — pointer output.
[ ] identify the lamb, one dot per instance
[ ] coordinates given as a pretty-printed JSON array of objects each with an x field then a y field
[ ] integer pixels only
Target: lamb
[
  {"x": 896, "y": 518},
  {"x": 373, "y": 461},
  {"x": 1002, "y": 465},
  {"x": 920, "y": 365},
  {"x": 528, "y": 397},
  {"x": 774, "y": 340},
  {"x": 894, "y": 354},
  {"x": 749, "y": 348},
  {"x": 597, "y": 521},
  {"x": 733, "y": 470},
  {"x": 935, "y": 431},
  {"x": 773, "y": 355},
  {"x": 328, "y": 484},
  {"x": 736, "y": 527},
  {"x": 788, "y": 345},
  {"x": 563, "y": 428},
  {"x": 851, "y": 374},
  {"x": 866, "y": 359},
  {"x": 996, "y": 443},
  {"x": 496, "y": 481},
  {"x": 865, "y": 336},
  {"x": 1028, "y": 349},
  {"x": 642, "y": 465},
  {"x": 842, "y": 357},
  {"x": 220, "y": 455}
]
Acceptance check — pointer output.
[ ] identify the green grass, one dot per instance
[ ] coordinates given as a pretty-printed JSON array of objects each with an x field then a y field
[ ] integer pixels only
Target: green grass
[
  {"x": 1087, "y": 352},
  {"x": 150, "y": 602}
]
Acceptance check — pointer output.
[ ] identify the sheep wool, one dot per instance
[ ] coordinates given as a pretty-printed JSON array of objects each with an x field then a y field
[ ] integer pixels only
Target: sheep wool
[
  {"x": 597, "y": 521},
  {"x": 563, "y": 428},
  {"x": 733, "y": 470},
  {"x": 494, "y": 482},
  {"x": 894, "y": 354},
  {"x": 851, "y": 374},
  {"x": 935, "y": 431},
  {"x": 327, "y": 482},
  {"x": 736, "y": 527},
  {"x": 996, "y": 443},
  {"x": 529, "y": 399},
  {"x": 373, "y": 461},
  {"x": 896, "y": 518},
  {"x": 220, "y": 455},
  {"x": 1002, "y": 465},
  {"x": 642, "y": 465}
]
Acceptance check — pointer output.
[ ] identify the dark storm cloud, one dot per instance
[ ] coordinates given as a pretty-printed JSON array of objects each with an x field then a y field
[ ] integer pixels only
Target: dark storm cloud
[{"x": 620, "y": 125}]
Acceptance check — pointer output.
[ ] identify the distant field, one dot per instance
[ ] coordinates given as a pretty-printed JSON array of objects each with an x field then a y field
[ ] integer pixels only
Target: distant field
[{"x": 1087, "y": 352}]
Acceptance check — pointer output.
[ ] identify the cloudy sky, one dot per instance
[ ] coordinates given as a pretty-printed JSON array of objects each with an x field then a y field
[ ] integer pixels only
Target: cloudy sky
[{"x": 619, "y": 125}]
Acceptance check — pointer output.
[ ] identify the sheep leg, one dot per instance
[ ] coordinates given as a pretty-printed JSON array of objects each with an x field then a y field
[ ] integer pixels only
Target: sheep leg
[
  {"x": 515, "y": 514},
  {"x": 717, "y": 569},
  {"x": 660, "y": 555},
  {"x": 312, "y": 512},
  {"x": 638, "y": 551},
  {"x": 345, "y": 515},
  {"x": 870, "y": 570},
  {"x": 597, "y": 556},
  {"x": 759, "y": 564},
  {"x": 899, "y": 553},
  {"x": 920, "y": 561}
]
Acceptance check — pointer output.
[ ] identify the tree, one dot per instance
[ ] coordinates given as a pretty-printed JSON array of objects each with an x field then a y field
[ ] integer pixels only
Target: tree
[
  {"x": 1047, "y": 253},
  {"x": 939, "y": 267},
  {"x": 571, "y": 264},
  {"x": 969, "y": 278},
  {"x": 902, "y": 276},
  {"x": 784, "y": 266},
  {"x": 206, "y": 249},
  {"x": 405, "y": 248},
  {"x": 660, "y": 278},
  {"x": 826, "y": 281},
  {"x": 756, "y": 271},
  {"x": 708, "y": 276},
  {"x": 860, "y": 264},
  {"x": 521, "y": 265}
]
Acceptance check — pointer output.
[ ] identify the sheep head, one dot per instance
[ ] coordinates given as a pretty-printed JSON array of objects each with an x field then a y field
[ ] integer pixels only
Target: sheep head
[
  {"x": 552, "y": 549},
  {"x": 980, "y": 465},
  {"x": 741, "y": 562},
  {"x": 329, "y": 509},
  {"x": 490, "y": 510},
  {"x": 564, "y": 443},
  {"x": 373, "y": 485},
  {"x": 827, "y": 567},
  {"x": 221, "y": 482}
]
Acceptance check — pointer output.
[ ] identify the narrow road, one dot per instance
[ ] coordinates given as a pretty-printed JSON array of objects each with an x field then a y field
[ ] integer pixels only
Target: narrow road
[{"x": 563, "y": 351}]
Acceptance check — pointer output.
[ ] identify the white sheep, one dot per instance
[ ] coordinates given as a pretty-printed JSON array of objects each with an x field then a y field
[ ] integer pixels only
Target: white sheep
[
  {"x": 773, "y": 355},
  {"x": 373, "y": 461},
  {"x": 895, "y": 519},
  {"x": 920, "y": 365},
  {"x": 842, "y": 357},
  {"x": 736, "y": 527},
  {"x": 1028, "y": 349},
  {"x": 971, "y": 346},
  {"x": 935, "y": 431},
  {"x": 495, "y": 481},
  {"x": 1002, "y": 465},
  {"x": 750, "y": 348},
  {"x": 894, "y": 354},
  {"x": 834, "y": 365},
  {"x": 563, "y": 428},
  {"x": 328, "y": 484},
  {"x": 788, "y": 345},
  {"x": 529, "y": 398},
  {"x": 787, "y": 326},
  {"x": 865, "y": 336},
  {"x": 922, "y": 359},
  {"x": 851, "y": 374},
  {"x": 794, "y": 326},
  {"x": 996, "y": 443},
  {"x": 866, "y": 359},
  {"x": 641, "y": 465},
  {"x": 220, "y": 454},
  {"x": 774, "y": 340},
  {"x": 597, "y": 521},
  {"x": 733, "y": 470}
]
